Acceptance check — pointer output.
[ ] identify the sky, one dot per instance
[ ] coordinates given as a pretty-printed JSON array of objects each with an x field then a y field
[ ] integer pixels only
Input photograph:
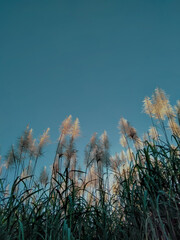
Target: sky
[{"x": 95, "y": 60}]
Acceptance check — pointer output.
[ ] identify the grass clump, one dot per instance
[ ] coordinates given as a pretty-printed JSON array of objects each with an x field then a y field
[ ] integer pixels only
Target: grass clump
[{"x": 132, "y": 195}]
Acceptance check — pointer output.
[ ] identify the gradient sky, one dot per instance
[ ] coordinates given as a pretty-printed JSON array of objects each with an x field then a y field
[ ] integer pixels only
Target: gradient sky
[{"x": 95, "y": 59}]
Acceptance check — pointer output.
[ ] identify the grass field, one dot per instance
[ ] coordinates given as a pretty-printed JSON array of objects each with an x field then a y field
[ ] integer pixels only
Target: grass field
[{"x": 134, "y": 194}]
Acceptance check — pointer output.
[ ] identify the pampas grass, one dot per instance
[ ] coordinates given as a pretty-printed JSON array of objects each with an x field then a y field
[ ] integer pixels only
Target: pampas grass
[{"x": 134, "y": 194}]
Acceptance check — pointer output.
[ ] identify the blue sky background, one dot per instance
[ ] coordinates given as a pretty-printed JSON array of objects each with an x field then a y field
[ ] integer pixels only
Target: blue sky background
[{"x": 96, "y": 60}]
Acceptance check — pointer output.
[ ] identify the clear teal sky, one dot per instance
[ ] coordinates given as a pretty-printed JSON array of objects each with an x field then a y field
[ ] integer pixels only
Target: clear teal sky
[{"x": 94, "y": 59}]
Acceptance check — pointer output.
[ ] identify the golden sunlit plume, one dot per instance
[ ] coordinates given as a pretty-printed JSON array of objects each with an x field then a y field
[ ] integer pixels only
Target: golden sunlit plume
[
  {"x": 93, "y": 140},
  {"x": 123, "y": 156},
  {"x": 170, "y": 112},
  {"x": 123, "y": 141},
  {"x": 130, "y": 155},
  {"x": 30, "y": 138},
  {"x": 153, "y": 133},
  {"x": 104, "y": 140},
  {"x": 115, "y": 161},
  {"x": 177, "y": 109},
  {"x": 44, "y": 138},
  {"x": 118, "y": 160},
  {"x": 160, "y": 103},
  {"x": 138, "y": 143},
  {"x": 132, "y": 134},
  {"x": 127, "y": 131},
  {"x": 159, "y": 106},
  {"x": 123, "y": 126},
  {"x": 66, "y": 125},
  {"x": 148, "y": 106},
  {"x": 75, "y": 130},
  {"x": 175, "y": 128},
  {"x": 43, "y": 141}
]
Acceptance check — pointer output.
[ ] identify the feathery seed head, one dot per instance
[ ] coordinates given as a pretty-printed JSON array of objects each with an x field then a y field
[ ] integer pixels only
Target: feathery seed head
[
  {"x": 93, "y": 140},
  {"x": 44, "y": 139},
  {"x": 115, "y": 162},
  {"x": 62, "y": 140},
  {"x": 104, "y": 140},
  {"x": 132, "y": 134},
  {"x": 175, "y": 128},
  {"x": 92, "y": 176},
  {"x": 123, "y": 156},
  {"x": 118, "y": 160},
  {"x": 130, "y": 155},
  {"x": 30, "y": 137},
  {"x": 160, "y": 104},
  {"x": 66, "y": 125},
  {"x": 123, "y": 141},
  {"x": 123, "y": 126},
  {"x": 177, "y": 109},
  {"x": 170, "y": 112},
  {"x": 153, "y": 133},
  {"x": 138, "y": 143},
  {"x": 25, "y": 140},
  {"x": 75, "y": 131},
  {"x": 55, "y": 168},
  {"x": 33, "y": 148},
  {"x": 127, "y": 130},
  {"x": 148, "y": 106}
]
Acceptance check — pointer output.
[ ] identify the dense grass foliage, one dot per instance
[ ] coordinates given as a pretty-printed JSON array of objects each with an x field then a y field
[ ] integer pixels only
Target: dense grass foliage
[{"x": 131, "y": 195}]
